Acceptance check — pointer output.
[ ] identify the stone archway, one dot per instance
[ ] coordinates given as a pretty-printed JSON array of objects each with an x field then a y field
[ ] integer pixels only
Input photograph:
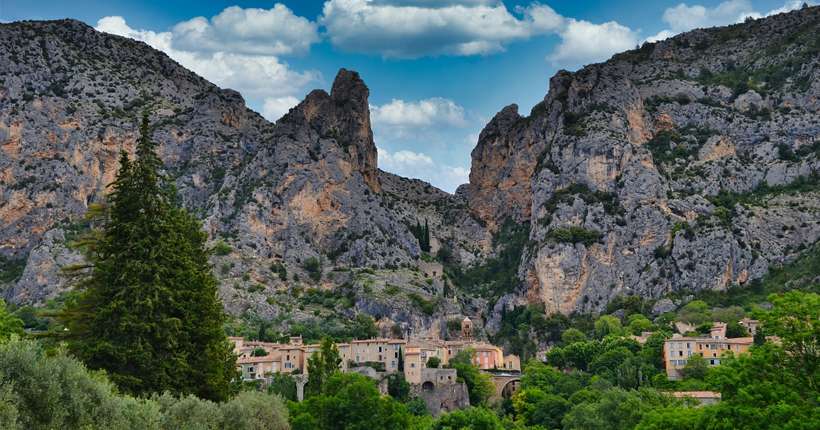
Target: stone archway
[
  {"x": 428, "y": 386},
  {"x": 506, "y": 384},
  {"x": 510, "y": 388}
]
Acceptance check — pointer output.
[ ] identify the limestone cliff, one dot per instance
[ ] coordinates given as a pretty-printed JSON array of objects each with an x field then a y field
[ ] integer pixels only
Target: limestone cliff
[
  {"x": 686, "y": 164},
  {"x": 294, "y": 205}
]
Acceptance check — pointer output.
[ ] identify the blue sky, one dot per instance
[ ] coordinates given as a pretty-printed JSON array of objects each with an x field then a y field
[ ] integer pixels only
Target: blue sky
[{"x": 438, "y": 70}]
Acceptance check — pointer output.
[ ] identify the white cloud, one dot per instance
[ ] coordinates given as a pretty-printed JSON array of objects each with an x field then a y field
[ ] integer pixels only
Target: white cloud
[
  {"x": 583, "y": 42},
  {"x": 661, "y": 35},
  {"x": 416, "y": 28},
  {"x": 410, "y": 29},
  {"x": 434, "y": 3},
  {"x": 419, "y": 165},
  {"x": 790, "y": 6},
  {"x": 422, "y": 113},
  {"x": 117, "y": 25},
  {"x": 403, "y": 159},
  {"x": 683, "y": 17},
  {"x": 257, "y": 77},
  {"x": 275, "y": 31},
  {"x": 275, "y": 107}
]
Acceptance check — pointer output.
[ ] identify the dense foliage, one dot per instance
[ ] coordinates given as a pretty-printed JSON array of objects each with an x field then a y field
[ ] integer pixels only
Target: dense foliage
[
  {"x": 498, "y": 275},
  {"x": 611, "y": 381},
  {"x": 9, "y": 324},
  {"x": 148, "y": 312},
  {"x": 349, "y": 401},
  {"x": 49, "y": 390},
  {"x": 479, "y": 385}
]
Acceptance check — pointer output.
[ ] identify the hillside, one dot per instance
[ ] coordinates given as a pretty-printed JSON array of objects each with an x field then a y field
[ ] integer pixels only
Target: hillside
[{"x": 685, "y": 165}]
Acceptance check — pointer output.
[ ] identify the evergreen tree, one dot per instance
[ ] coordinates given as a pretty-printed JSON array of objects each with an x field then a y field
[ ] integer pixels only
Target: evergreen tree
[
  {"x": 401, "y": 360},
  {"x": 422, "y": 234},
  {"x": 322, "y": 365},
  {"x": 148, "y": 311},
  {"x": 426, "y": 236}
]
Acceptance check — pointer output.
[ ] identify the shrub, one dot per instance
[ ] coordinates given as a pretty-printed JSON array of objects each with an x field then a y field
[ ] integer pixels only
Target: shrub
[
  {"x": 221, "y": 248},
  {"x": 279, "y": 269},
  {"x": 40, "y": 390},
  {"x": 57, "y": 391},
  {"x": 575, "y": 234},
  {"x": 574, "y": 124},
  {"x": 313, "y": 266},
  {"x": 426, "y": 306},
  {"x": 11, "y": 270}
]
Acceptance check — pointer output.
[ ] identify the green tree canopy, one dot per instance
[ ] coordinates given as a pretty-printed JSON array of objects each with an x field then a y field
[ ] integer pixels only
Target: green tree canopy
[
  {"x": 638, "y": 323},
  {"x": 9, "y": 323},
  {"x": 795, "y": 319},
  {"x": 695, "y": 312},
  {"x": 479, "y": 385},
  {"x": 474, "y": 418},
  {"x": 695, "y": 368},
  {"x": 533, "y": 407},
  {"x": 572, "y": 335},
  {"x": 608, "y": 325},
  {"x": 284, "y": 385},
  {"x": 349, "y": 401},
  {"x": 148, "y": 313},
  {"x": 322, "y": 365}
]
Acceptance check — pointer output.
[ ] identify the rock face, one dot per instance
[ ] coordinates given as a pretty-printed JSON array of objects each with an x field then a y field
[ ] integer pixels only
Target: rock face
[
  {"x": 503, "y": 162},
  {"x": 283, "y": 197},
  {"x": 671, "y": 167},
  {"x": 683, "y": 165}
]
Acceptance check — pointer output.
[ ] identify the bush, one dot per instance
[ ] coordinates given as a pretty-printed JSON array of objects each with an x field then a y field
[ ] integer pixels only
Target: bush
[
  {"x": 398, "y": 387},
  {"x": 426, "y": 306},
  {"x": 221, "y": 248},
  {"x": 574, "y": 124},
  {"x": 313, "y": 266},
  {"x": 468, "y": 419},
  {"x": 10, "y": 324},
  {"x": 251, "y": 410},
  {"x": 283, "y": 385},
  {"x": 40, "y": 390},
  {"x": 497, "y": 275},
  {"x": 572, "y": 335},
  {"x": 279, "y": 269},
  {"x": 575, "y": 234}
]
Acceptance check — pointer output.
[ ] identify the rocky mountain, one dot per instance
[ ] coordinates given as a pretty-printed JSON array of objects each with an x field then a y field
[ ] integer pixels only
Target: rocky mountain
[
  {"x": 299, "y": 199},
  {"x": 686, "y": 164}
]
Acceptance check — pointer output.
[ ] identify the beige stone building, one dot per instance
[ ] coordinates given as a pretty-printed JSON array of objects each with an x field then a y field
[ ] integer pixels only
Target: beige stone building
[
  {"x": 678, "y": 349},
  {"x": 383, "y": 352}
]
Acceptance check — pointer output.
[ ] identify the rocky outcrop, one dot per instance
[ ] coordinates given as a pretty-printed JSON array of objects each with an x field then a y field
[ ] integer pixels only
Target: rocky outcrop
[
  {"x": 671, "y": 167},
  {"x": 503, "y": 162}
]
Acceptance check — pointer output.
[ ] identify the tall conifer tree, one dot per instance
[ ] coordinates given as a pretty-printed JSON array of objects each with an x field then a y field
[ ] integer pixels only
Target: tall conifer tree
[{"x": 148, "y": 311}]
